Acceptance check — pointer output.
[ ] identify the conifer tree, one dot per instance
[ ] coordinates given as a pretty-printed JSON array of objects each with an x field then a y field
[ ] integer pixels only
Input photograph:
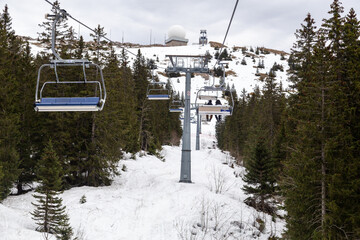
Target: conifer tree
[
  {"x": 319, "y": 199},
  {"x": 343, "y": 140},
  {"x": 49, "y": 213},
  {"x": 80, "y": 51},
  {"x": 9, "y": 117},
  {"x": 1, "y": 175},
  {"x": 27, "y": 123},
  {"x": 243, "y": 61},
  {"x": 304, "y": 189},
  {"x": 61, "y": 28},
  {"x": 140, "y": 75},
  {"x": 111, "y": 127},
  {"x": 259, "y": 178},
  {"x": 98, "y": 47},
  {"x": 128, "y": 114}
]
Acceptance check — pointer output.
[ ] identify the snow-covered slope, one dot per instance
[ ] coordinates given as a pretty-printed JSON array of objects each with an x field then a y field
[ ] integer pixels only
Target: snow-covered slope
[
  {"x": 148, "y": 202},
  {"x": 244, "y": 77}
]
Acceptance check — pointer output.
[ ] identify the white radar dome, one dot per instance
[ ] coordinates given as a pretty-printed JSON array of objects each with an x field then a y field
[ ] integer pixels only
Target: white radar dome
[{"x": 176, "y": 31}]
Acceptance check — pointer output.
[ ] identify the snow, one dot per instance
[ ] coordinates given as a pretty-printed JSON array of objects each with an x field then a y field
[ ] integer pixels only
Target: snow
[
  {"x": 245, "y": 74},
  {"x": 147, "y": 201}
]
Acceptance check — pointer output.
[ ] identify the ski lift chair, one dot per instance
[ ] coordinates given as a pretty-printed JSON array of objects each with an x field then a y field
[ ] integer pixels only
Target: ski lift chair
[
  {"x": 176, "y": 106},
  {"x": 67, "y": 104},
  {"x": 213, "y": 109},
  {"x": 156, "y": 93}
]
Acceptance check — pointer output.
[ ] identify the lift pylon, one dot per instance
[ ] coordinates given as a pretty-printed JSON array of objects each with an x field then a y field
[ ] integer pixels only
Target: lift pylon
[{"x": 188, "y": 64}]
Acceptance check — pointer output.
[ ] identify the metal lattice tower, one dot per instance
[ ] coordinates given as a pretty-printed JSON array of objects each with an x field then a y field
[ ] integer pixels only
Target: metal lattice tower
[
  {"x": 188, "y": 64},
  {"x": 203, "y": 37}
]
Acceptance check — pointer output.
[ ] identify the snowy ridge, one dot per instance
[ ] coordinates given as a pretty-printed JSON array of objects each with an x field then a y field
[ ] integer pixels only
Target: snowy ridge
[{"x": 244, "y": 74}]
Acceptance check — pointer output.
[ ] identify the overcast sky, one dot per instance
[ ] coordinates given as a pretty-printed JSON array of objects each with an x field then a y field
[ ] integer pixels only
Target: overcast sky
[{"x": 269, "y": 23}]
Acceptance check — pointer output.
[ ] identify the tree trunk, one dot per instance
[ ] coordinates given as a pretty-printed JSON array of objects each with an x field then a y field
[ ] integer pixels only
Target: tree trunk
[
  {"x": 323, "y": 169},
  {"x": 46, "y": 227}
]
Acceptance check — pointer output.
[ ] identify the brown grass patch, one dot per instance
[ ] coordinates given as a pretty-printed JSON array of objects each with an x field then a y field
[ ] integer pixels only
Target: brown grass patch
[
  {"x": 231, "y": 73},
  {"x": 162, "y": 74},
  {"x": 216, "y": 44},
  {"x": 274, "y": 51},
  {"x": 236, "y": 48},
  {"x": 262, "y": 76},
  {"x": 251, "y": 54}
]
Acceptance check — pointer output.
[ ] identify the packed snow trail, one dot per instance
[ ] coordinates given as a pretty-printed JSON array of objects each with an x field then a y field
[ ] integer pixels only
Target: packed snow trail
[{"x": 148, "y": 202}]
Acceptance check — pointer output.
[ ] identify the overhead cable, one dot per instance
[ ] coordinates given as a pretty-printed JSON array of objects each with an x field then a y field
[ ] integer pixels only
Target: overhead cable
[
  {"x": 81, "y": 23},
  {"x": 227, "y": 31}
]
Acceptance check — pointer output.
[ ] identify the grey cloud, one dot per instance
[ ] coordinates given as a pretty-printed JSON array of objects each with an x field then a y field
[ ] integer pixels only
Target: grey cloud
[{"x": 257, "y": 22}]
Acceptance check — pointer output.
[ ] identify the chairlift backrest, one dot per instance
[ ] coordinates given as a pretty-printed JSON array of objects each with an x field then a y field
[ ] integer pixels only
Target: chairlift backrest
[
  {"x": 155, "y": 93},
  {"x": 218, "y": 108},
  {"x": 176, "y": 106},
  {"x": 65, "y": 104},
  {"x": 215, "y": 109}
]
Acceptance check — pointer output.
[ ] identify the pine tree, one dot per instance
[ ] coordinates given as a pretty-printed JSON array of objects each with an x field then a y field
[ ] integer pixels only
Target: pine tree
[
  {"x": 1, "y": 175},
  {"x": 98, "y": 47},
  {"x": 140, "y": 75},
  {"x": 27, "y": 123},
  {"x": 224, "y": 55},
  {"x": 80, "y": 51},
  {"x": 319, "y": 199},
  {"x": 243, "y": 62},
  {"x": 61, "y": 28},
  {"x": 259, "y": 178},
  {"x": 49, "y": 213},
  {"x": 304, "y": 190},
  {"x": 129, "y": 109},
  {"x": 343, "y": 142},
  {"x": 9, "y": 117},
  {"x": 109, "y": 137}
]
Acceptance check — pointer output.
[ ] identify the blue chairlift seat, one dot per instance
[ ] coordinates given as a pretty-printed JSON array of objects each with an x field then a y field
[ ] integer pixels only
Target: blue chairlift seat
[
  {"x": 225, "y": 110},
  {"x": 68, "y": 104},
  {"x": 158, "y": 97},
  {"x": 176, "y": 110},
  {"x": 215, "y": 109}
]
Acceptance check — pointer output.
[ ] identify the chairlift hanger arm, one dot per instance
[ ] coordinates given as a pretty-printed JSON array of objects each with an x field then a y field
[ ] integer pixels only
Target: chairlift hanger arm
[{"x": 84, "y": 25}]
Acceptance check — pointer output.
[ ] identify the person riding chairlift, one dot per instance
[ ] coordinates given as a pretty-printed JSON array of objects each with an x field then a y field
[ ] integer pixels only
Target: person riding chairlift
[
  {"x": 218, "y": 117},
  {"x": 207, "y": 116}
]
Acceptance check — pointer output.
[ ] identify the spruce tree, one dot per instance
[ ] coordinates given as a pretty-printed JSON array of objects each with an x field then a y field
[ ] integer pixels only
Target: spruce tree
[
  {"x": 106, "y": 143},
  {"x": 49, "y": 213},
  {"x": 129, "y": 115},
  {"x": 9, "y": 118},
  {"x": 61, "y": 28},
  {"x": 140, "y": 76},
  {"x": 243, "y": 61},
  {"x": 1, "y": 174},
  {"x": 343, "y": 142},
  {"x": 259, "y": 178},
  {"x": 305, "y": 190},
  {"x": 28, "y": 120}
]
